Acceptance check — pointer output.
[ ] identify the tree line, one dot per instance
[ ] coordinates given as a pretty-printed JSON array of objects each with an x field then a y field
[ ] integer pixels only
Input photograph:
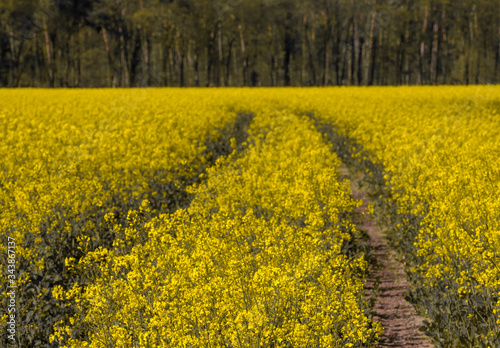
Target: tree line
[{"x": 128, "y": 43}]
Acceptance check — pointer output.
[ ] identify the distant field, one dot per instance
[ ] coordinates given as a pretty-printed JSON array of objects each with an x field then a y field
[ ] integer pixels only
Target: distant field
[{"x": 218, "y": 217}]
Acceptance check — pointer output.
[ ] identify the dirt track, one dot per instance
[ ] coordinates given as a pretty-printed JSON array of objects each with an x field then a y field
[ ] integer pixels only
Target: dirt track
[{"x": 396, "y": 315}]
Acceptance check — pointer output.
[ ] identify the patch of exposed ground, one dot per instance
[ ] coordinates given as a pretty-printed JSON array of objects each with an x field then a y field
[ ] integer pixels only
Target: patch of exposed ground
[{"x": 397, "y": 316}]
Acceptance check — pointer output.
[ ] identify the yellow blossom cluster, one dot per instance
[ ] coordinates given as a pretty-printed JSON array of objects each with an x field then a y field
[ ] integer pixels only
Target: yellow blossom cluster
[
  {"x": 96, "y": 189},
  {"x": 440, "y": 149},
  {"x": 255, "y": 261},
  {"x": 69, "y": 157}
]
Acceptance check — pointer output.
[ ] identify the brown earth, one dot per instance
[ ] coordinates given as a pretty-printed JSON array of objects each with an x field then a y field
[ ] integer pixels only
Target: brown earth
[{"x": 397, "y": 316}]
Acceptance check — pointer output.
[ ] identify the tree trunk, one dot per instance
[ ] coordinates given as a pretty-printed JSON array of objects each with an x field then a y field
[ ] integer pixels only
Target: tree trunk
[
  {"x": 370, "y": 46},
  {"x": 165, "y": 54},
  {"x": 36, "y": 64},
  {"x": 209, "y": 59},
  {"x": 477, "y": 50},
  {"x": 497, "y": 56},
  {"x": 244, "y": 56},
  {"x": 220, "y": 80},
  {"x": 338, "y": 50},
  {"x": 444, "y": 49},
  {"x": 15, "y": 58},
  {"x": 171, "y": 67},
  {"x": 228, "y": 62},
  {"x": 135, "y": 60},
  {"x": 355, "y": 51},
  {"x": 420, "y": 77},
  {"x": 145, "y": 43},
  {"x": 81, "y": 48},
  {"x": 350, "y": 60},
  {"x": 110, "y": 58},
  {"x": 67, "y": 62},
  {"x": 328, "y": 33},
  {"x": 311, "y": 58},
  {"x": 288, "y": 48},
  {"x": 123, "y": 59},
  {"x": 12, "y": 56},
  {"x": 179, "y": 58},
  {"x": 273, "y": 59},
  {"x": 49, "y": 57},
  {"x": 373, "y": 64},
  {"x": 196, "y": 68},
  {"x": 434, "y": 56},
  {"x": 181, "y": 70},
  {"x": 361, "y": 54},
  {"x": 468, "y": 49}
]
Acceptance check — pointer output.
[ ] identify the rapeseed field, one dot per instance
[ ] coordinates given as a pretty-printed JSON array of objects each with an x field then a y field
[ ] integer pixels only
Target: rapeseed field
[{"x": 218, "y": 217}]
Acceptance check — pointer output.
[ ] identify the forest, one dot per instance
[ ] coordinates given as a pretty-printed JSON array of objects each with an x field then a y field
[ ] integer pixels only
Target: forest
[{"x": 183, "y": 43}]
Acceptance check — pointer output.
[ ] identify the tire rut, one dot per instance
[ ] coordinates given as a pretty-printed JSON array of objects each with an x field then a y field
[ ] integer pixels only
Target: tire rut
[{"x": 397, "y": 316}]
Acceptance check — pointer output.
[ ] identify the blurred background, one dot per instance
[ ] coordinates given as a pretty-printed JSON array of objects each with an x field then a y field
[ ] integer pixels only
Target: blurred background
[{"x": 133, "y": 43}]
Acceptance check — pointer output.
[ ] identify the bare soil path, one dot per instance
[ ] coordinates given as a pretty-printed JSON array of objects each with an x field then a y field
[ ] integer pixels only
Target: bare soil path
[{"x": 397, "y": 316}]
